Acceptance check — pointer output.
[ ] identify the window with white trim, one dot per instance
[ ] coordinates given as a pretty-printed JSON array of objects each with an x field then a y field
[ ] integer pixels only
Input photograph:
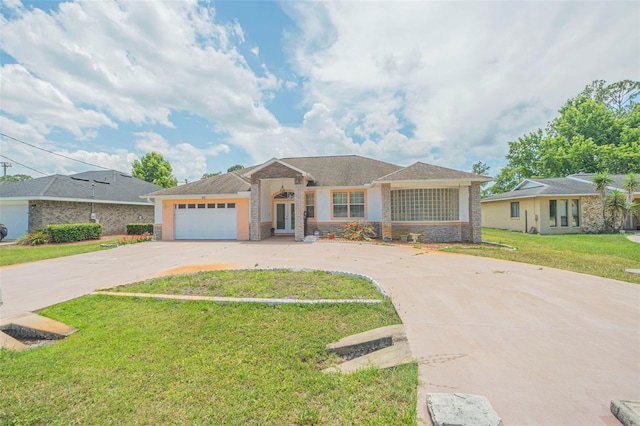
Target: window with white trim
[
  {"x": 348, "y": 204},
  {"x": 310, "y": 202},
  {"x": 553, "y": 210},
  {"x": 425, "y": 204},
  {"x": 575, "y": 213},
  {"x": 515, "y": 209},
  {"x": 564, "y": 212}
]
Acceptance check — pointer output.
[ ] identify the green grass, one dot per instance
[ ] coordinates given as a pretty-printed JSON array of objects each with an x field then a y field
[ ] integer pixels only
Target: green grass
[
  {"x": 263, "y": 284},
  {"x": 14, "y": 254},
  {"x": 144, "y": 361},
  {"x": 604, "y": 255}
]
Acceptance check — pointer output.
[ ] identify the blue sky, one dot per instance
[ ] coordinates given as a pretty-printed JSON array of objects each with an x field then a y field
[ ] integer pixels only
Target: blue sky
[{"x": 213, "y": 84}]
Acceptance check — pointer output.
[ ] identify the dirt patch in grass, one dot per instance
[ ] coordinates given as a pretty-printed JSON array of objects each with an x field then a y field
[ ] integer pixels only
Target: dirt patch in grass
[{"x": 190, "y": 269}]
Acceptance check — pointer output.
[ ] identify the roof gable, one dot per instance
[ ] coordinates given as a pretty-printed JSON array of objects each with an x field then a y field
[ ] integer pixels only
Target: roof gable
[
  {"x": 278, "y": 165},
  {"x": 228, "y": 183},
  {"x": 421, "y": 171}
]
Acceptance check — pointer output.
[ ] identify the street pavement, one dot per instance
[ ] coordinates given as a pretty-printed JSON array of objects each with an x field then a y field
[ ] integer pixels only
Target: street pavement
[{"x": 545, "y": 346}]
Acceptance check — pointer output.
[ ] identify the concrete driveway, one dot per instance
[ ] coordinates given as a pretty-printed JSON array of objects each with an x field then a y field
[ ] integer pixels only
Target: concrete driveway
[{"x": 546, "y": 347}]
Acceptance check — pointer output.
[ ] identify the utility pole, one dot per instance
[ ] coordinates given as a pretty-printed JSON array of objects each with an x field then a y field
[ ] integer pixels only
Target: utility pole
[{"x": 4, "y": 165}]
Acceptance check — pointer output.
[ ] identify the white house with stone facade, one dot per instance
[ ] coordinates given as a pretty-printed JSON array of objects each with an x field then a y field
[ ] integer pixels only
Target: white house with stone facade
[
  {"x": 552, "y": 206},
  {"x": 298, "y": 196}
]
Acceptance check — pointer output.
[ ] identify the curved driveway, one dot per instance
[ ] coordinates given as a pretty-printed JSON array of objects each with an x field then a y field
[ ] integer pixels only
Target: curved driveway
[{"x": 546, "y": 347}]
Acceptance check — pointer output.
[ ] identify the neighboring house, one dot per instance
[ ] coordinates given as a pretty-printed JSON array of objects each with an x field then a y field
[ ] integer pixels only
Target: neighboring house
[
  {"x": 107, "y": 196},
  {"x": 552, "y": 206},
  {"x": 297, "y": 196}
]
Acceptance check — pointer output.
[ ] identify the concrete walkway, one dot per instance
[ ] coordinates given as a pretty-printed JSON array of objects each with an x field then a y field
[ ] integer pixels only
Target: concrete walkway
[{"x": 546, "y": 347}]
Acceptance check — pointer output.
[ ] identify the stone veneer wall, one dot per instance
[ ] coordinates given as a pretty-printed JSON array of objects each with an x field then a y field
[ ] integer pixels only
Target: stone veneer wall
[
  {"x": 259, "y": 231},
  {"x": 475, "y": 214},
  {"x": 591, "y": 214},
  {"x": 387, "y": 227},
  {"x": 436, "y": 233},
  {"x": 113, "y": 217},
  {"x": 265, "y": 230},
  {"x": 157, "y": 232}
]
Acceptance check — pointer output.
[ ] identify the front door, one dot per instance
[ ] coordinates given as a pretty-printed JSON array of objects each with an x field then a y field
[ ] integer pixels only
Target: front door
[{"x": 285, "y": 218}]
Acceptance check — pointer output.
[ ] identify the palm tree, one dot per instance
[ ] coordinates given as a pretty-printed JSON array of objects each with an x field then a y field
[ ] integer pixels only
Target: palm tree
[
  {"x": 602, "y": 180},
  {"x": 616, "y": 202},
  {"x": 630, "y": 184}
]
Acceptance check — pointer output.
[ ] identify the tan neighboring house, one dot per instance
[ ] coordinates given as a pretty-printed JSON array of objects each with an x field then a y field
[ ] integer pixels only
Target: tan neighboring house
[
  {"x": 552, "y": 206},
  {"x": 109, "y": 197},
  {"x": 298, "y": 196}
]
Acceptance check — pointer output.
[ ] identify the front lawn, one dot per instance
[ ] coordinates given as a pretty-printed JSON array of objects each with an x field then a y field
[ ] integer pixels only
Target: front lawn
[
  {"x": 14, "y": 254},
  {"x": 604, "y": 255},
  {"x": 146, "y": 361},
  {"x": 278, "y": 284}
]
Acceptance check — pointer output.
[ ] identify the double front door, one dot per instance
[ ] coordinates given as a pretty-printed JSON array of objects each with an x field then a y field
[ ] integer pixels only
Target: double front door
[{"x": 285, "y": 217}]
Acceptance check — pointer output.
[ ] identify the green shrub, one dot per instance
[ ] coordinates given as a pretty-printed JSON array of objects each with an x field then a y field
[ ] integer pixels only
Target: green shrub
[
  {"x": 74, "y": 232},
  {"x": 34, "y": 238},
  {"x": 139, "y": 228},
  {"x": 358, "y": 230}
]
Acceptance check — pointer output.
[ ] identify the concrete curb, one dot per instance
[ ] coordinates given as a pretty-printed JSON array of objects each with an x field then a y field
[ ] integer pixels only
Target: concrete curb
[{"x": 238, "y": 299}]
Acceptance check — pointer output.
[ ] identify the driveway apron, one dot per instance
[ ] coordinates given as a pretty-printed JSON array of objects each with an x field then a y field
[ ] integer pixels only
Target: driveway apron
[{"x": 545, "y": 346}]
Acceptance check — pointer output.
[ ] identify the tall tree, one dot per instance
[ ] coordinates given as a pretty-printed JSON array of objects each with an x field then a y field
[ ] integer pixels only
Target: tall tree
[
  {"x": 235, "y": 167},
  {"x": 619, "y": 96},
  {"x": 15, "y": 178},
  {"x": 481, "y": 169},
  {"x": 155, "y": 169},
  {"x": 599, "y": 130},
  {"x": 630, "y": 184},
  {"x": 523, "y": 162},
  {"x": 208, "y": 175}
]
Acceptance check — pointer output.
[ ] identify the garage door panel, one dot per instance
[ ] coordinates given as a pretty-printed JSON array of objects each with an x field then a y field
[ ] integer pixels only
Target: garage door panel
[
  {"x": 212, "y": 221},
  {"x": 15, "y": 216}
]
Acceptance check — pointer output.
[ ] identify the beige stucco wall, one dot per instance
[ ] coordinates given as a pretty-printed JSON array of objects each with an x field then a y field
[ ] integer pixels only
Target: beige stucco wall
[
  {"x": 497, "y": 214},
  {"x": 168, "y": 215},
  {"x": 535, "y": 212}
]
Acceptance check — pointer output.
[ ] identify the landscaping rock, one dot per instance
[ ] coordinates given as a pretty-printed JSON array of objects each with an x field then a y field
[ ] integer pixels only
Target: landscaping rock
[
  {"x": 460, "y": 409},
  {"x": 628, "y": 412}
]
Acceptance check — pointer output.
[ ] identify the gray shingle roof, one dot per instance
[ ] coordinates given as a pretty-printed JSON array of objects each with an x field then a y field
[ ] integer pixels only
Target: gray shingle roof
[
  {"x": 342, "y": 170},
  {"x": 228, "y": 183},
  {"x": 579, "y": 184},
  {"x": 618, "y": 180},
  {"x": 337, "y": 170},
  {"x": 108, "y": 185},
  {"x": 423, "y": 171}
]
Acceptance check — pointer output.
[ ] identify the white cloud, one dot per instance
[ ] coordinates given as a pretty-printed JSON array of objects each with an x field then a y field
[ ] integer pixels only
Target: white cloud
[
  {"x": 119, "y": 57},
  {"x": 466, "y": 76},
  {"x": 45, "y": 107},
  {"x": 444, "y": 82},
  {"x": 12, "y": 5},
  {"x": 187, "y": 161}
]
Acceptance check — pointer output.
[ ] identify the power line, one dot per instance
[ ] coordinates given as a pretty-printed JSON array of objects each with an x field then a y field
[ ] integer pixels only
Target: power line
[
  {"x": 43, "y": 173},
  {"x": 26, "y": 167},
  {"x": 51, "y": 152}
]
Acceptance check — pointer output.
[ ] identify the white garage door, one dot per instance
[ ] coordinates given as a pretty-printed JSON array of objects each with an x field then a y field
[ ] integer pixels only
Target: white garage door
[
  {"x": 15, "y": 216},
  {"x": 206, "y": 221}
]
